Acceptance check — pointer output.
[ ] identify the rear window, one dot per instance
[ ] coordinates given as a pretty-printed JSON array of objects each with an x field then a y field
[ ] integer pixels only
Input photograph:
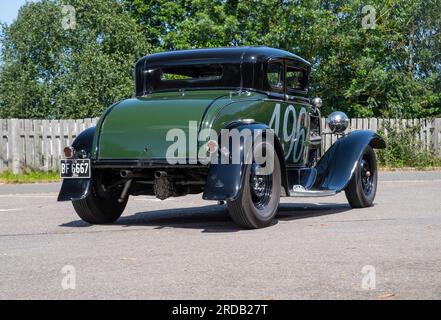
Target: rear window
[
  {"x": 176, "y": 77},
  {"x": 207, "y": 72}
]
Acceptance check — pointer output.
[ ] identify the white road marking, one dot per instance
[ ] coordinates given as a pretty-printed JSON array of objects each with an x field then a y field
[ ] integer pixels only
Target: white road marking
[
  {"x": 14, "y": 209},
  {"x": 410, "y": 181},
  {"x": 27, "y": 195}
]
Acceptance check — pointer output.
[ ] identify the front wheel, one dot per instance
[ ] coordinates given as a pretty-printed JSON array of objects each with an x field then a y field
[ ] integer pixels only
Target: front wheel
[
  {"x": 362, "y": 188},
  {"x": 259, "y": 198}
]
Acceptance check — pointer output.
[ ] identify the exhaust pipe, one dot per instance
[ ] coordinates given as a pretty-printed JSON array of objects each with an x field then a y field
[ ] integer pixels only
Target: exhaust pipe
[
  {"x": 160, "y": 174},
  {"x": 126, "y": 173},
  {"x": 125, "y": 191}
]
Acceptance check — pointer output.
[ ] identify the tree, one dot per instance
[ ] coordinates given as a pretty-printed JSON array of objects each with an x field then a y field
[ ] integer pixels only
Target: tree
[
  {"x": 391, "y": 70},
  {"x": 75, "y": 70}
]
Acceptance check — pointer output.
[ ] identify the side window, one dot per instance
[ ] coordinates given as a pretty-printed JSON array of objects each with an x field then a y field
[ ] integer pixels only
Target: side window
[
  {"x": 295, "y": 79},
  {"x": 275, "y": 76}
]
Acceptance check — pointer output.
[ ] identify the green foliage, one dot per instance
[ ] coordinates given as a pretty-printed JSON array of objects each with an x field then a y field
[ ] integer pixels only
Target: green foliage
[
  {"x": 392, "y": 70},
  {"x": 32, "y": 176},
  {"x": 404, "y": 149},
  {"x": 50, "y": 72}
]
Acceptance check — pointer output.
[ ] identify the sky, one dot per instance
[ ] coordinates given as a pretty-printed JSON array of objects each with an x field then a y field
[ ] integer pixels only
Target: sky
[{"x": 9, "y": 9}]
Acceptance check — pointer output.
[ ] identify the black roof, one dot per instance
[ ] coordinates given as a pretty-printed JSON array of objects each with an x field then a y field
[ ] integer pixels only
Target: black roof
[{"x": 221, "y": 55}]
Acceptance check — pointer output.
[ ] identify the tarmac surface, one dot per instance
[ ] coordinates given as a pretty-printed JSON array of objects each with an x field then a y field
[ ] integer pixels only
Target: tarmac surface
[{"x": 187, "y": 248}]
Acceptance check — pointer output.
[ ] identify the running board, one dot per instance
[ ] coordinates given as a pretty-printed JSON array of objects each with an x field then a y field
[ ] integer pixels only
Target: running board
[{"x": 300, "y": 191}]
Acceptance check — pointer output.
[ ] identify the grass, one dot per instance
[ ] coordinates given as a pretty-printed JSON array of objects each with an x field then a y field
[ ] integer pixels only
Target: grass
[
  {"x": 29, "y": 177},
  {"x": 404, "y": 150}
]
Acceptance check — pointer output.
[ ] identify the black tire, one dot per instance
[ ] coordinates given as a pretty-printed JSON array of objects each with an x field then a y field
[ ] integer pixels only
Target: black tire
[
  {"x": 247, "y": 211},
  {"x": 362, "y": 188},
  {"x": 100, "y": 207}
]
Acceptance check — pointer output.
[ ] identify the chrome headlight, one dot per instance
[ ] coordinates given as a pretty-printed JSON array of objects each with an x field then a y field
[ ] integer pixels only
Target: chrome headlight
[{"x": 338, "y": 122}]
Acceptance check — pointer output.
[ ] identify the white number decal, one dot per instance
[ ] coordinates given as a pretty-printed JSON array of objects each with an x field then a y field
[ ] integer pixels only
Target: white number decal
[
  {"x": 275, "y": 119},
  {"x": 290, "y": 112},
  {"x": 292, "y": 132}
]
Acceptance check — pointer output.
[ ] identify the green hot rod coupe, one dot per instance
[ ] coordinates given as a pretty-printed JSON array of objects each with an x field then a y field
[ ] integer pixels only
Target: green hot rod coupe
[{"x": 236, "y": 124}]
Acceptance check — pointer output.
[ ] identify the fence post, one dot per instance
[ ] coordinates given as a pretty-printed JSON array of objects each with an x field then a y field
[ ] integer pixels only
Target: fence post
[
  {"x": 14, "y": 145},
  {"x": 436, "y": 136}
]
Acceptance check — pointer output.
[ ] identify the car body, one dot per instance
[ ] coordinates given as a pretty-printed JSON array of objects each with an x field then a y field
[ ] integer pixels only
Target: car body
[{"x": 194, "y": 95}]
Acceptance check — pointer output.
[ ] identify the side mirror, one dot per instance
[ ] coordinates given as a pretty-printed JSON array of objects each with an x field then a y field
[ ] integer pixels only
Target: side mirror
[
  {"x": 338, "y": 122},
  {"x": 317, "y": 102}
]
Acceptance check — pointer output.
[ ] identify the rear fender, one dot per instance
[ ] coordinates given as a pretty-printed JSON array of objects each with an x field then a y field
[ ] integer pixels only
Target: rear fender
[
  {"x": 77, "y": 189},
  {"x": 225, "y": 181},
  {"x": 335, "y": 168}
]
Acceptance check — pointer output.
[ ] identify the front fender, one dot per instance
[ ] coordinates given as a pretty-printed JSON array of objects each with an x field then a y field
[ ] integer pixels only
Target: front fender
[
  {"x": 77, "y": 189},
  {"x": 335, "y": 168},
  {"x": 224, "y": 181}
]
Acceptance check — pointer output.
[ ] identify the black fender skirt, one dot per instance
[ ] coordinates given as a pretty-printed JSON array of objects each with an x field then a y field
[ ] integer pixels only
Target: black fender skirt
[
  {"x": 77, "y": 189},
  {"x": 74, "y": 189},
  {"x": 335, "y": 168},
  {"x": 225, "y": 181}
]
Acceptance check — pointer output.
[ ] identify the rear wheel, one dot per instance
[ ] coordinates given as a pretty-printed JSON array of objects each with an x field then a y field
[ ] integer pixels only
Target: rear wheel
[
  {"x": 362, "y": 188},
  {"x": 259, "y": 198},
  {"x": 101, "y": 206}
]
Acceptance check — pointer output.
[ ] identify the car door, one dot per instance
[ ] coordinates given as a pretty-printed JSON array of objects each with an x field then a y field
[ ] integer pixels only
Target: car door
[
  {"x": 290, "y": 117},
  {"x": 296, "y": 88}
]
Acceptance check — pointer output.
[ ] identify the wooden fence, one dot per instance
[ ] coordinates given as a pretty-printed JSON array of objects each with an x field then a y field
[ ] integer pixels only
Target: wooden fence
[
  {"x": 38, "y": 144},
  {"x": 429, "y": 133}
]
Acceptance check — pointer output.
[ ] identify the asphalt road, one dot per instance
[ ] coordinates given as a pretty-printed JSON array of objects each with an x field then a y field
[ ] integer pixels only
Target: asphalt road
[{"x": 187, "y": 248}]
